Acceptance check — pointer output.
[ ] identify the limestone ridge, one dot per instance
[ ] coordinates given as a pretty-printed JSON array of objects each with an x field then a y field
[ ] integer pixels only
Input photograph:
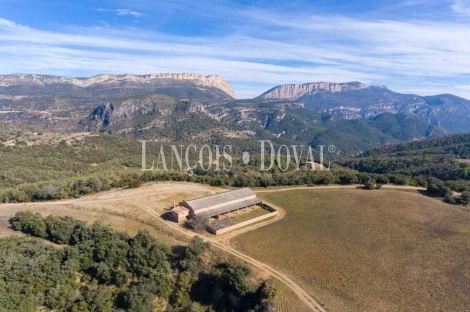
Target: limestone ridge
[
  {"x": 214, "y": 81},
  {"x": 355, "y": 100},
  {"x": 109, "y": 114},
  {"x": 295, "y": 91}
]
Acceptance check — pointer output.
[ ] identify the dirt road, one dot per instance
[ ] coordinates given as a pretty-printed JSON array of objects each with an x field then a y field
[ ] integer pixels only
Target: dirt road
[
  {"x": 354, "y": 186},
  {"x": 303, "y": 295}
]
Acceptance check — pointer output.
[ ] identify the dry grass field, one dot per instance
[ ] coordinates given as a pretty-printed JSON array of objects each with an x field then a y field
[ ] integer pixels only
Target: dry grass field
[
  {"x": 119, "y": 208},
  {"x": 286, "y": 300},
  {"x": 357, "y": 250}
]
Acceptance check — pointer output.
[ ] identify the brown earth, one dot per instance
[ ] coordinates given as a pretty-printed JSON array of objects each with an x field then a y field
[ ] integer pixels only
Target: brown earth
[{"x": 356, "y": 250}]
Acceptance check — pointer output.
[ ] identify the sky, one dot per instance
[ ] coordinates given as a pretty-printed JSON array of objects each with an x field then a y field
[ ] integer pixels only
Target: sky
[{"x": 410, "y": 46}]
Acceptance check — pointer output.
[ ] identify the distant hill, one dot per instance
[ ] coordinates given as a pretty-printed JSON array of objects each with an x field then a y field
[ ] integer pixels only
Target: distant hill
[
  {"x": 157, "y": 117},
  {"x": 107, "y": 85},
  {"x": 58, "y": 103},
  {"x": 354, "y": 100},
  {"x": 165, "y": 118},
  {"x": 446, "y": 158},
  {"x": 456, "y": 145},
  {"x": 193, "y": 107}
]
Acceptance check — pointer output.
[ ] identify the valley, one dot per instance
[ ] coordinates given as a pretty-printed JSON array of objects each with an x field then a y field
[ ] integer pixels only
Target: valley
[{"x": 234, "y": 156}]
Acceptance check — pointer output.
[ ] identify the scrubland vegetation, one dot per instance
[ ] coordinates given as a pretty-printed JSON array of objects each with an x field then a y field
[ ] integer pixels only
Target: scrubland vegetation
[
  {"x": 94, "y": 164},
  {"x": 94, "y": 268}
]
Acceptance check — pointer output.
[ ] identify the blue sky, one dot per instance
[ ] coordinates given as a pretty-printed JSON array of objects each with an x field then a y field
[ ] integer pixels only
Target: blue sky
[{"x": 411, "y": 46}]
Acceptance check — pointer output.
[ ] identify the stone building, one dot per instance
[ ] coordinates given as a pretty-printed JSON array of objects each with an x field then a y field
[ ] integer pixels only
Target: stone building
[{"x": 216, "y": 205}]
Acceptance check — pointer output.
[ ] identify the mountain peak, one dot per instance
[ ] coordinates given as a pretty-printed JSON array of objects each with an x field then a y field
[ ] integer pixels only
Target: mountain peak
[
  {"x": 214, "y": 81},
  {"x": 295, "y": 91}
]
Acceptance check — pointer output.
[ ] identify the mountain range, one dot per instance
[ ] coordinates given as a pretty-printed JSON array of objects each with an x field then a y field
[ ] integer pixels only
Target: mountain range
[
  {"x": 188, "y": 107},
  {"x": 356, "y": 100},
  {"x": 54, "y": 103}
]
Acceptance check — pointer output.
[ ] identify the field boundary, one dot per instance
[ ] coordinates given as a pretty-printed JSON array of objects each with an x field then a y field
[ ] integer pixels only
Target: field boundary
[{"x": 242, "y": 224}]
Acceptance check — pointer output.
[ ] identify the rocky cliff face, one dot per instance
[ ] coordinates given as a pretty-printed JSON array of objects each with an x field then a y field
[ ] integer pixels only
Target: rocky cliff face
[
  {"x": 59, "y": 103},
  {"x": 107, "y": 79},
  {"x": 355, "y": 100},
  {"x": 159, "y": 117},
  {"x": 137, "y": 111},
  {"x": 295, "y": 91}
]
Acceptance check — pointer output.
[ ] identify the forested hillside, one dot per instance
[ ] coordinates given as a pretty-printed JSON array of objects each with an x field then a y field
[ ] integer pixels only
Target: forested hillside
[
  {"x": 442, "y": 162},
  {"x": 164, "y": 118},
  {"x": 443, "y": 158}
]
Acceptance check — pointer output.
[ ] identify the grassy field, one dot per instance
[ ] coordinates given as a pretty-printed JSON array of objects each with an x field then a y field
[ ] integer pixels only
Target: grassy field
[
  {"x": 119, "y": 208},
  {"x": 357, "y": 250},
  {"x": 286, "y": 300},
  {"x": 245, "y": 216}
]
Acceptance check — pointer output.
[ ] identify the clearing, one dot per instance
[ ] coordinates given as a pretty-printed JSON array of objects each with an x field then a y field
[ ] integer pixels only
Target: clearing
[{"x": 119, "y": 208}]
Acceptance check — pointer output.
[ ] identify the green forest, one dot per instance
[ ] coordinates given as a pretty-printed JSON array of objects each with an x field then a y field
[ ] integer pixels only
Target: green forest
[
  {"x": 94, "y": 268},
  {"x": 97, "y": 163}
]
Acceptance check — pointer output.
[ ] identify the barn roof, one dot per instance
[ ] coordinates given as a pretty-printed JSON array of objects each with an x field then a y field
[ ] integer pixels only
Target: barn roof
[
  {"x": 218, "y": 199},
  {"x": 227, "y": 208}
]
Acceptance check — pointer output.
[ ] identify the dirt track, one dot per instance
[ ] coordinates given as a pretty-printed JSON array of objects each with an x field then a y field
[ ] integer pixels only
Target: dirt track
[
  {"x": 298, "y": 290},
  {"x": 387, "y": 186}
]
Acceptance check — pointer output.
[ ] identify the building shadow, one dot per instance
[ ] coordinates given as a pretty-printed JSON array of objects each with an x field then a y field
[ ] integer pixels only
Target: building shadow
[{"x": 166, "y": 216}]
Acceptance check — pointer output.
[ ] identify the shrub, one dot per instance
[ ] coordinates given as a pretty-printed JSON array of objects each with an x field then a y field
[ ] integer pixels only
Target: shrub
[
  {"x": 465, "y": 197},
  {"x": 198, "y": 223},
  {"x": 369, "y": 185},
  {"x": 29, "y": 223},
  {"x": 135, "y": 184},
  {"x": 450, "y": 199}
]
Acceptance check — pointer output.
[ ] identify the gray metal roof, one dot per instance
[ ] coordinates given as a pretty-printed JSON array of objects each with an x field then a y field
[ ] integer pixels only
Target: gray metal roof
[
  {"x": 227, "y": 208},
  {"x": 217, "y": 199}
]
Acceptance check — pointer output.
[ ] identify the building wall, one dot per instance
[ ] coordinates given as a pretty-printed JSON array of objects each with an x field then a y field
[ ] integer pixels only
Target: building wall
[
  {"x": 176, "y": 217},
  {"x": 173, "y": 216}
]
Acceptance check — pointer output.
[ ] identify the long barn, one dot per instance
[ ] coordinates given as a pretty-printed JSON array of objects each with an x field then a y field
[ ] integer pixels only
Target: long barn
[{"x": 220, "y": 204}]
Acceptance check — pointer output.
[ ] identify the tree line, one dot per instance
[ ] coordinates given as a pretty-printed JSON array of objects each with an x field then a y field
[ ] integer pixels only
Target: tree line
[{"x": 238, "y": 177}]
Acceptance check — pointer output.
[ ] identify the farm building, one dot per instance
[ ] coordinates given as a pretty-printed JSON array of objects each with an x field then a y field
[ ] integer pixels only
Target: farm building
[
  {"x": 221, "y": 204},
  {"x": 233, "y": 209},
  {"x": 179, "y": 214}
]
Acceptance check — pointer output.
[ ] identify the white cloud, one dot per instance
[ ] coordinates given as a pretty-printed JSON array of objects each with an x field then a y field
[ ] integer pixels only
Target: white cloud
[
  {"x": 463, "y": 87},
  {"x": 461, "y": 7},
  {"x": 273, "y": 50},
  {"x": 123, "y": 12}
]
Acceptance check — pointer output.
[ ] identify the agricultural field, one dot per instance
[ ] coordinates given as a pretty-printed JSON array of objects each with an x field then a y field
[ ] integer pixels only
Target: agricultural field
[{"x": 357, "y": 250}]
